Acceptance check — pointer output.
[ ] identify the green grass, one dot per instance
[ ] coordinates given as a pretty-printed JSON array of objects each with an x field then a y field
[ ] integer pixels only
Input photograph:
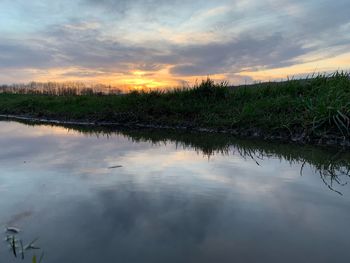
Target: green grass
[{"x": 313, "y": 109}]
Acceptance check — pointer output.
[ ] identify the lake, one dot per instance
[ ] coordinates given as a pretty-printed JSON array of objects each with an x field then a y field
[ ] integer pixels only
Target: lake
[{"x": 161, "y": 196}]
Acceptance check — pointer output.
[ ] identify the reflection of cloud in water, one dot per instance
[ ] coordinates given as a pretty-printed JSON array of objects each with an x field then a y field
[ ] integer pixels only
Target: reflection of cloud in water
[
  {"x": 170, "y": 203},
  {"x": 13, "y": 129},
  {"x": 18, "y": 217},
  {"x": 154, "y": 224},
  {"x": 70, "y": 151}
]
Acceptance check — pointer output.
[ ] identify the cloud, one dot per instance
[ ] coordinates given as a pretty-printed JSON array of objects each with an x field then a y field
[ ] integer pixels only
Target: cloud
[
  {"x": 188, "y": 38},
  {"x": 86, "y": 48},
  {"x": 14, "y": 54},
  {"x": 152, "y": 6},
  {"x": 80, "y": 45},
  {"x": 231, "y": 57}
]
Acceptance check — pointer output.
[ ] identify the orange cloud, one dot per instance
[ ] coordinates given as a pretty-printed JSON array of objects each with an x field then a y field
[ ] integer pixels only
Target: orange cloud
[{"x": 341, "y": 62}]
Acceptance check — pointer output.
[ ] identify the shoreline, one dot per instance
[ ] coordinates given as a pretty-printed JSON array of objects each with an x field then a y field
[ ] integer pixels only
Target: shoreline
[
  {"x": 311, "y": 111},
  {"x": 253, "y": 133}
]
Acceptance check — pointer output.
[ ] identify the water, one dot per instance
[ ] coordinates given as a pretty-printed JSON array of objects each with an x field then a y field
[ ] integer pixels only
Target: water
[{"x": 176, "y": 198}]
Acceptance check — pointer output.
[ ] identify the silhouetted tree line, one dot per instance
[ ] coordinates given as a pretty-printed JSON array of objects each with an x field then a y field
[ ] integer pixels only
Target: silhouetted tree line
[{"x": 60, "y": 89}]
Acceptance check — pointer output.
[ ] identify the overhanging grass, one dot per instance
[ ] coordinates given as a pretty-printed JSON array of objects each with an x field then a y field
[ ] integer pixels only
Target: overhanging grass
[{"x": 315, "y": 108}]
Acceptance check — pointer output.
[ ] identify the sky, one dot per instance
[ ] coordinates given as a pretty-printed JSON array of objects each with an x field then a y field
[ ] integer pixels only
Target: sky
[{"x": 166, "y": 43}]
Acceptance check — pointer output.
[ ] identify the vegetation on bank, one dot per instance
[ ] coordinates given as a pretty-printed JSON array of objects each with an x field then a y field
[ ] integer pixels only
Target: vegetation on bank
[
  {"x": 306, "y": 110},
  {"x": 60, "y": 89}
]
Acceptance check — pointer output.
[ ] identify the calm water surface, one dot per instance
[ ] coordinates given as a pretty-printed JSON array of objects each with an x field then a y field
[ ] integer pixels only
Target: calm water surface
[{"x": 176, "y": 198}]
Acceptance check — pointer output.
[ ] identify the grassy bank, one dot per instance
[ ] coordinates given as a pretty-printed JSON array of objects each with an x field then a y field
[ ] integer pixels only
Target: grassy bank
[{"x": 313, "y": 110}]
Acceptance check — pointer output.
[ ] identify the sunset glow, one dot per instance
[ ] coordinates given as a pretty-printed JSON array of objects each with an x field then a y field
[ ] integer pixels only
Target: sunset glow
[{"x": 159, "y": 44}]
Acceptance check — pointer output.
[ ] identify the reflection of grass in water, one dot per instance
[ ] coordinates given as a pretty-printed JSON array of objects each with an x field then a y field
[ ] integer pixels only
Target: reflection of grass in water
[
  {"x": 333, "y": 171},
  {"x": 332, "y": 164}
]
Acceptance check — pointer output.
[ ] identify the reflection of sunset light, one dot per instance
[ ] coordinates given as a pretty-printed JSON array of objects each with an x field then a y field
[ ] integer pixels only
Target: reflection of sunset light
[{"x": 17, "y": 129}]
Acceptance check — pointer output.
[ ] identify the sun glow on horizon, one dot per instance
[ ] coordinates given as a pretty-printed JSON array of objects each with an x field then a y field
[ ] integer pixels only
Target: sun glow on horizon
[{"x": 136, "y": 45}]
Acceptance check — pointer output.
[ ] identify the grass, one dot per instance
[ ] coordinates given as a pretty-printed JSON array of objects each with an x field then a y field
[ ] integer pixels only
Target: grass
[
  {"x": 307, "y": 110},
  {"x": 59, "y": 89}
]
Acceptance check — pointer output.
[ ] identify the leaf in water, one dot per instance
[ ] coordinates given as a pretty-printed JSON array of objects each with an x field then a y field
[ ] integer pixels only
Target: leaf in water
[
  {"x": 22, "y": 250},
  {"x": 34, "y": 259},
  {"x": 114, "y": 167},
  {"x": 14, "y": 246},
  {"x": 31, "y": 245},
  {"x": 13, "y": 230}
]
